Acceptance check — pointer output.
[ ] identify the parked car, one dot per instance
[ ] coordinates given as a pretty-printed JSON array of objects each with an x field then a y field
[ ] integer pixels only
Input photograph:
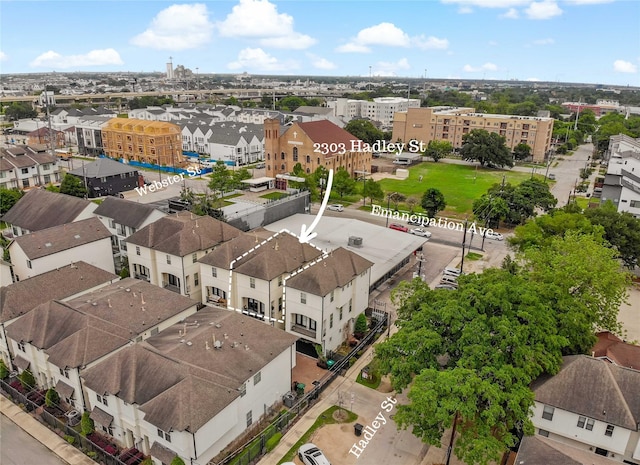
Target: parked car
[
  {"x": 452, "y": 271},
  {"x": 260, "y": 165},
  {"x": 449, "y": 279},
  {"x": 552, "y": 176},
  {"x": 446, "y": 286},
  {"x": 494, "y": 235},
  {"x": 336, "y": 207},
  {"x": 311, "y": 455},
  {"x": 399, "y": 227},
  {"x": 420, "y": 232},
  {"x": 414, "y": 223}
]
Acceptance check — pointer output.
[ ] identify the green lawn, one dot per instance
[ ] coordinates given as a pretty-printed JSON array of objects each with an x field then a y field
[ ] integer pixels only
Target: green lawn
[
  {"x": 460, "y": 184},
  {"x": 274, "y": 196}
]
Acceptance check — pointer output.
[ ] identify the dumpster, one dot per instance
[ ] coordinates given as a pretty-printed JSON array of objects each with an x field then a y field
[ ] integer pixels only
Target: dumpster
[{"x": 357, "y": 429}]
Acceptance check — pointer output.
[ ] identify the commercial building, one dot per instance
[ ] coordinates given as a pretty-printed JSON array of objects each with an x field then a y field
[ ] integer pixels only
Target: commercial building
[
  {"x": 155, "y": 142},
  {"x": 451, "y": 124}
]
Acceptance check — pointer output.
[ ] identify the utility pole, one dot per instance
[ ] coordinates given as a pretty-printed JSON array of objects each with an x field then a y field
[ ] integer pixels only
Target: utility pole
[{"x": 464, "y": 242}]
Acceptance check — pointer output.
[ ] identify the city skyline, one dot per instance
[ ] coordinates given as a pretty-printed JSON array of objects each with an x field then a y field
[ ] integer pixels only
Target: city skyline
[{"x": 524, "y": 40}]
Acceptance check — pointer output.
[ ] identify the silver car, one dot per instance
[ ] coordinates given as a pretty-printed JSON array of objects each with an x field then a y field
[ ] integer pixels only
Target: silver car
[
  {"x": 421, "y": 232},
  {"x": 336, "y": 207}
]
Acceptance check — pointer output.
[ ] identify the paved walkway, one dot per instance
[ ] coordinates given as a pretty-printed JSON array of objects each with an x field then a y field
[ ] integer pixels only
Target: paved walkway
[{"x": 41, "y": 433}]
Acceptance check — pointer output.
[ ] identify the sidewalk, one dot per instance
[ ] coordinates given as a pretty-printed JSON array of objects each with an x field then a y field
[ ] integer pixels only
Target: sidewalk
[{"x": 44, "y": 435}]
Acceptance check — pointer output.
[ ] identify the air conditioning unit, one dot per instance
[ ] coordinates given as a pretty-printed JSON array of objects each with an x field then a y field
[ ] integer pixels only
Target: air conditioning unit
[{"x": 355, "y": 241}]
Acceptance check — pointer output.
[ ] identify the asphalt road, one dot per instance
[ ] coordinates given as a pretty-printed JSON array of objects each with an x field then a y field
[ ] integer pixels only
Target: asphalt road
[
  {"x": 568, "y": 172},
  {"x": 18, "y": 448}
]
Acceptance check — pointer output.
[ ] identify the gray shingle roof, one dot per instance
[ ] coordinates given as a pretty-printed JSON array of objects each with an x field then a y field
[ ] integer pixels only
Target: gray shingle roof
[
  {"x": 40, "y": 209},
  {"x": 18, "y": 298},
  {"x": 102, "y": 168},
  {"x": 335, "y": 271},
  {"x": 183, "y": 233},
  {"x": 48, "y": 241},
  {"x": 593, "y": 388},
  {"x": 126, "y": 212}
]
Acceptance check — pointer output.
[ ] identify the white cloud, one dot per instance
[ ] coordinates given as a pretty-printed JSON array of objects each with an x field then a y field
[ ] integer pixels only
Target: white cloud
[
  {"x": 511, "y": 13},
  {"x": 547, "y": 41},
  {"x": 621, "y": 66},
  {"x": 390, "y": 35},
  {"x": 259, "y": 19},
  {"x": 178, "y": 27},
  {"x": 3, "y": 56},
  {"x": 485, "y": 67},
  {"x": 532, "y": 79},
  {"x": 465, "y": 10},
  {"x": 488, "y": 3},
  {"x": 259, "y": 60},
  {"x": 384, "y": 68},
  {"x": 588, "y": 2},
  {"x": 320, "y": 63},
  {"x": 543, "y": 10},
  {"x": 54, "y": 60}
]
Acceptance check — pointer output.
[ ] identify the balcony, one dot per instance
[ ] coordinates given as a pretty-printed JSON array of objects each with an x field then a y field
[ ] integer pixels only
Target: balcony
[
  {"x": 304, "y": 331},
  {"x": 172, "y": 287},
  {"x": 143, "y": 277}
]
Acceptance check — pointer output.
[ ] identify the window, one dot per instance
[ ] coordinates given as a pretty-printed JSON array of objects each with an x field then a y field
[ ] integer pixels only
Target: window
[
  {"x": 581, "y": 421},
  {"x": 547, "y": 413},
  {"x": 166, "y": 436},
  {"x": 590, "y": 423},
  {"x": 47, "y": 179},
  {"x": 312, "y": 324},
  {"x": 137, "y": 250},
  {"x": 635, "y": 203},
  {"x": 331, "y": 321},
  {"x": 194, "y": 257},
  {"x": 196, "y": 279},
  {"x": 168, "y": 259},
  {"x": 24, "y": 170},
  {"x": 21, "y": 346},
  {"x": 609, "y": 431},
  {"x": 29, "y": 264},
  {"x": 295, "y": 154},
  {"x": 279, "y": 281},
  {"x": 303, "y": 298},
  {"x": 243, "y": 390},
  {"x": 102, "y": 399},
  {"x": 301, "y": 320},
  {"x": 331, "y": 299},
  {"x": 340, "y": 313},
  {"x": 257, "y": 377},
  {"x": 252, "y": 283},
  {"x": 249, "y": 418},
  {"x": 350, "y": 306},
  {"x": 214, "y": 272},
  {"x": 543, "y": 432}
]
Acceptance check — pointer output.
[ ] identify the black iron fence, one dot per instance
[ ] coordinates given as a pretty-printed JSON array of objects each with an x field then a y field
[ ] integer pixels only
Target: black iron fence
[
  {"x": 81, "y": 442},
  {"x": 254, "y": 449}
]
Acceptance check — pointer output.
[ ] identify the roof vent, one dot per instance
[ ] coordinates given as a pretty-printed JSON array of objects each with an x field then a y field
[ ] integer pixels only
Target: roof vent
[
  {"x": 189, "y": 343},
  {"x": 355, "y": 241},
  {"x": 218, "y": 325},
  {"x": 217, "y": 344}
]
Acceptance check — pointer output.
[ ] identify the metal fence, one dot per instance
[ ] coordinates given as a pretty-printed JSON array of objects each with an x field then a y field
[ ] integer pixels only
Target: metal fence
[
  {"x": 254, "y": 449},
  {"x": 79, "y": 441}
]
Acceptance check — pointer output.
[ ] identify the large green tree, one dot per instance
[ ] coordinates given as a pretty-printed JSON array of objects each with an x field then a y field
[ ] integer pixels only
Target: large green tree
[
  {"x": 522, "y": 151},
  {"x": 469, "y": 356},
  {"x": 437, "y": 149},
  {"x": 19, "y": 110},
  {"x": 220, "y": 178},
  {"x": 621, "y": 230},
  {"x": 433, "y": 202},
  {"x": 488, "y": 148},
  {"x": 372, "y": 190},
  {"x": 364, "y": 130},
  {"x": 343, "y": 183},
  {"x": 8, "y": 198},
  {"x": 72, "y": 185}
]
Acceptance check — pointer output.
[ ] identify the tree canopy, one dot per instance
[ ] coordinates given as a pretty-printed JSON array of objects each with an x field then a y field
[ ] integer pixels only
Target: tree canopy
[
  {"x": 522, "y": 151},
  {"x": 433, "y": 202},
  {"x": 372, "y": 190},
  {"x": 437, "y": 149},
  {"x": 364, "y": 130},
  {"x": 72, "y": 185},
  {"x": 488, "y": 148},
  {"x": 8, "y": 198},
  {"x": 343, "y": 183}
]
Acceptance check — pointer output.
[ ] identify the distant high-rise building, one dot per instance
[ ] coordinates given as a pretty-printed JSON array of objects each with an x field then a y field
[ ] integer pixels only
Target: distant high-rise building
[{"x": 170, "y": 68}]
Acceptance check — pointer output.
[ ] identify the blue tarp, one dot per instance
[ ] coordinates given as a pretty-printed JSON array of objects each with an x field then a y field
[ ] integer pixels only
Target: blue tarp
[{"x": 166, "y": 169}]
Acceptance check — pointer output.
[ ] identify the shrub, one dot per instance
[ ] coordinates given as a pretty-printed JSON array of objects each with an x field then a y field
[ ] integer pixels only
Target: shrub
[
  {"x": 273, "y": 441},
  {"x": 27, "y": 380},
  {"x": 361, "y": 326},
  {"x": 69, "y": 439},
  {"x": 86, "y": 424},
  {"x": 147, "y": 461},
  {"x": 177, "y": 461},
  {"x": 92, "y": 455},
  {"x": 4, "y": 371},
  {"x": 51, "y": 399}
]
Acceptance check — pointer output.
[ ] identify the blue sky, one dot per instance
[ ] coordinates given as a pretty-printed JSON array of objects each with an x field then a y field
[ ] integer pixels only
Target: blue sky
[{"x": 591, "y": 41}]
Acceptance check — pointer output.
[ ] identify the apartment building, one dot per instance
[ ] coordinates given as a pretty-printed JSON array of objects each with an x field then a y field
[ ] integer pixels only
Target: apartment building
[
  {"x": 166, "y": 252},
  {"x": 26, "y": 167},
  {"x": 591, "y": 405},
  {"x": 451, "y": 124},
  {"x": 312, "y": 144},
  {"x": 89, "y": 134},
  {"x": 155, "y": 142},
  {"x": 381, "y": 109}
]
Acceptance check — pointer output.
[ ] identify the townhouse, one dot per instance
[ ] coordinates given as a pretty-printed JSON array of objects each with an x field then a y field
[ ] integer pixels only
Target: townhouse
[
  {"x": 62, "y": 283},
  {"x": 166, "y": 252},
  {"x": 26, "y": 167},
  {"x": 622, "y": 180},
  {"x": 58, "y": 339},
  {"x": 452, "y": 123},
  {"x": 89, "y": 134},
  {"x": 193, "y": 388},
  {"x": 48, "y": 249},
  {"x": 590, "y": 405},
  {"x": 123, "y": 218},
  {"x": 40, "y": 209},
  {"x": 107, "y": 177},
  {"x": 247, "y": 273}
]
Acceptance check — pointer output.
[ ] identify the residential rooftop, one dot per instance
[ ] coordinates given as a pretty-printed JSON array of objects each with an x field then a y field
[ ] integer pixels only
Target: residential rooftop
[{"x": 126, "y": 212}]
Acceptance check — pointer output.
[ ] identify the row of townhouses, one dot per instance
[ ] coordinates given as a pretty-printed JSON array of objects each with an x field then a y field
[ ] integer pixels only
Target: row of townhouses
[
  {"x": 28, "y": 166},
  {"x": 622, "y": 179}
]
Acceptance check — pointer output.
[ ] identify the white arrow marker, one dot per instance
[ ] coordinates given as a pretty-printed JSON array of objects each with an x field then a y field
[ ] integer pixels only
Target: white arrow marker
[{"x": 305, "y": 234}]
